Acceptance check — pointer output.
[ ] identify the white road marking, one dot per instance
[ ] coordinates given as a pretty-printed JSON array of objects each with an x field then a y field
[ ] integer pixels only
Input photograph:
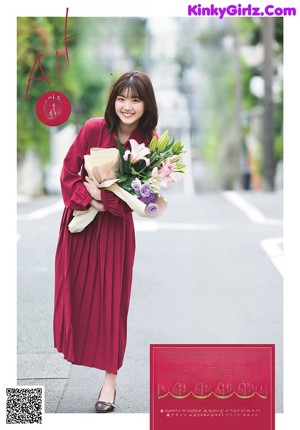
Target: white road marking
[
  {"x": 273, "y": 248},
  {"x": 146, "y": 226},
  {"x": 43, "y": 212},
  {"x": 249, "y": 210},
  {"x": 150, "y": 226}
]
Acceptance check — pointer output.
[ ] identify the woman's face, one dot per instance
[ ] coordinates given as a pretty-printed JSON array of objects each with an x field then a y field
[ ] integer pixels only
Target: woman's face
[{"x": 129, "y": 108}]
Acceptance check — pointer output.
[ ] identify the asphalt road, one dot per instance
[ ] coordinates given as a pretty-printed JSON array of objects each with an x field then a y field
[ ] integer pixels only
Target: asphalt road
[{"x": 207, "y": 271}]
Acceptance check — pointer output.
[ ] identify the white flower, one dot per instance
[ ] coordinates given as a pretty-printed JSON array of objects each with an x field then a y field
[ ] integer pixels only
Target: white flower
[{"x": 138, "y": 152}]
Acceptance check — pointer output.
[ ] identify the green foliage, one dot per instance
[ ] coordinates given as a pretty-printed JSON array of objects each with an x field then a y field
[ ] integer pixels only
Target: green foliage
[
  {"x": 254, "y": 30},
  {"x": 227, "y": 74},
  {"x": 31, "y": 134},
  {"x": 87, "y": 78},
  {"x": 35, "y": 36},
  {"x": 134, "y": 36},
  {"x": 249, "y": 99}
]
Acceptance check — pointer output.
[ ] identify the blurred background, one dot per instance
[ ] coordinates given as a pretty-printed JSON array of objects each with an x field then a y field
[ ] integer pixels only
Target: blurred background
[
  {"x": 208, "y": 270},
  {"x": 218, "y": 84}
]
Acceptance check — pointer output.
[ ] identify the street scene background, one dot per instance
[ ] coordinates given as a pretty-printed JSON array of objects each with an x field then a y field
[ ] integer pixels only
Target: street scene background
[{"x": 209, "y": 270}]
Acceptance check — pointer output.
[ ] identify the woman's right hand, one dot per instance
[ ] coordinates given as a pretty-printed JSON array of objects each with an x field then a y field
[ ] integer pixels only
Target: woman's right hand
[
  {"x": 92, "y": 189},
  {"x": 98, "y": 205}
]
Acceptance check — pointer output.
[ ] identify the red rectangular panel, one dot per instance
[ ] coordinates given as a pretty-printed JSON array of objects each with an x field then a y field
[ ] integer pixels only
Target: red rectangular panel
[{"x": 212, "y": 387}]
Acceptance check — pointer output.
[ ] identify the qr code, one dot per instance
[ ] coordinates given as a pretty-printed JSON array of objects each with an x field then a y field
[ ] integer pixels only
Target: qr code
[{"x": 24, "y": 405}]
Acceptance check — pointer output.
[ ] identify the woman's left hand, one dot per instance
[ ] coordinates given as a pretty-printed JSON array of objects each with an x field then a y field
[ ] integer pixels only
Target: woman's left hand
[{"x": 92, "y": 189}]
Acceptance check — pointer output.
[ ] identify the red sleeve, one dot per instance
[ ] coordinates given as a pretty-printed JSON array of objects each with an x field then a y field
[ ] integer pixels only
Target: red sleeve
[
  {"x": 114, "y": 204},
  {"x": 74, "y": 193}
]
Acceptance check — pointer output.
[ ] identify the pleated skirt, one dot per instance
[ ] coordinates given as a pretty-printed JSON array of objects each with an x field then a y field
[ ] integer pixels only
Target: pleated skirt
[{"x": 93, "y": 276}]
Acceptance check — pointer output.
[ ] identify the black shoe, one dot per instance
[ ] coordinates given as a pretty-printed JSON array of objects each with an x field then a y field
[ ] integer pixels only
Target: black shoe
[{"x": 105, "y": 407}]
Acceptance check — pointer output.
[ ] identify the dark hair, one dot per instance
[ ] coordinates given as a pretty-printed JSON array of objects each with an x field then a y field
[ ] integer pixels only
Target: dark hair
[{"x": 140, "y": 86}]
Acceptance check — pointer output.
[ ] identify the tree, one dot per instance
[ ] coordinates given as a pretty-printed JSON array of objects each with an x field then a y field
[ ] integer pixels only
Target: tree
[{"x": 85, "y": 81}]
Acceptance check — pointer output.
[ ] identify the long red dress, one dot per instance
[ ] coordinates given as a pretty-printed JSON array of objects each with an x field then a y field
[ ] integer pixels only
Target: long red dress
[{"x": 93, "y": 268}]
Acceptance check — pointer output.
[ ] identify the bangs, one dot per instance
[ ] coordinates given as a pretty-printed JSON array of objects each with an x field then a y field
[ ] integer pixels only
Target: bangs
[{"x": 131, "y": 89}]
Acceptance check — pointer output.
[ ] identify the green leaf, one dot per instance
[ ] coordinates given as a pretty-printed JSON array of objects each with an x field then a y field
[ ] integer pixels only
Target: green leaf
[
  {"x": 121, "y": 148},
  {"x": 123, "y": 178},
  {"x": 133, "y": 171},
  {"x": 123, "y": 165},
  {"x": 169, "y": 146}
]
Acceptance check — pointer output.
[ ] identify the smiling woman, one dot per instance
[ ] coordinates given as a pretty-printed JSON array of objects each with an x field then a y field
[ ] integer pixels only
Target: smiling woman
[
  {"x": 132, "y": 102},
  {"x": 94, "y": 267}
]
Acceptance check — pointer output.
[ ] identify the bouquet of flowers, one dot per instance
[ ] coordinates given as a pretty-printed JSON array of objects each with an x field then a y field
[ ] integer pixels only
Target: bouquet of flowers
[
  {"x": 135, "y": 175},
  {"x": 143, "y": 170}
]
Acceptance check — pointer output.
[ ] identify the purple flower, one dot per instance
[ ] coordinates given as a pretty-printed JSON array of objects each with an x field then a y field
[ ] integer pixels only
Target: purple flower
[
  {"x": 151, "y": 199},
  {"x": 145, "y": 190},
  {"x": 136, "y": 185},
  {"x": 152, "y": 209}
]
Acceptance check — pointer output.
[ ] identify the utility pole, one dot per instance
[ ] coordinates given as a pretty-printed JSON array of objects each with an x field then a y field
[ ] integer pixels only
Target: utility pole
[
  {"x": 268, "y": 149},
  {"x": 238, "y": 111}
]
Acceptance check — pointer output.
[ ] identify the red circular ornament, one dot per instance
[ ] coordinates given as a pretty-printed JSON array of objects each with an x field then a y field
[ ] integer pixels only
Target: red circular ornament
[{"x": 53, "y": 108}]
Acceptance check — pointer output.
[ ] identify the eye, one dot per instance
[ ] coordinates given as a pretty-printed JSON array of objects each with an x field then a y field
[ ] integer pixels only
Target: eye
[
  {"x": 136, "y": 100},
  {"x": 120, "y": 98}
]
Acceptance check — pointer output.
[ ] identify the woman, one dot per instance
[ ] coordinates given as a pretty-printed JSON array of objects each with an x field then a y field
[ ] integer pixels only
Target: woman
[{"x": 93, "y": 268}]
